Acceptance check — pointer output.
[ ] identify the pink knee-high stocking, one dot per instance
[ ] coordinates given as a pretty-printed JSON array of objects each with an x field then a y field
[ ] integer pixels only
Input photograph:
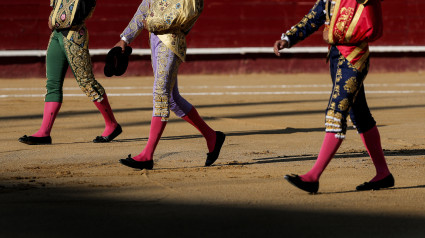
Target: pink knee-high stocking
[
  {"x": 195, "y": 120},
  {"x": 372, "y": 141},
  {"x": 105, "y": 108},
  {"x": 51, "y": 110},
  {"x": 329, "y": 147},
  {"x": 157, "y": 127}
]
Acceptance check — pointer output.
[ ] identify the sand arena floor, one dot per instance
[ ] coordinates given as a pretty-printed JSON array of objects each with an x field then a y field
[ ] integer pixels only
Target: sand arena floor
[{"x": 274, "y": 126}]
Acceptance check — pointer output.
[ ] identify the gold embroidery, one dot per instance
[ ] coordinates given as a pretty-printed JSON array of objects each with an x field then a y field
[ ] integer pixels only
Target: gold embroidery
[
  {"x": 303, "y": 23},
  {"x": 172, "y": 20},
  {"x": 351, "y": 85},
  {"x": 335, "y": 123},
  {"x": 164, "y": 81},
  {"x": 360, "y": 64},
  {"x": 333, "y": 21},
  {"x": 346, "y": 14},
  {"x": 80, "y": 63},
  {"x": 79, "y": 35},
  {"x": 354, "y": 23},
  {"x": 344, "y": 104},
  {"x": 336, "y": 92},
  {"x": 64, "y": 13}
]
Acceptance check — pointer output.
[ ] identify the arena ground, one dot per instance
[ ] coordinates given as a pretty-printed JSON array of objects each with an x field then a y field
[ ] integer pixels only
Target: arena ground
[{"x": 274, "y": 126}]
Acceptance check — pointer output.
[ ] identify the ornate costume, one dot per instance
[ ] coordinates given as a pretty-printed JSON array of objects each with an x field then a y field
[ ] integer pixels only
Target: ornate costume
[
  {"x": 168, "y": 21},
  {"x": 68, "y": 45},
  {"x": 349, "y": 26}
]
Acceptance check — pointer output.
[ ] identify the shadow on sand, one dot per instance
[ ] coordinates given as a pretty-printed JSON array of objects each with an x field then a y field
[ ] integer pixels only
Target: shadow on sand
[{"x": 49, "y": 212}]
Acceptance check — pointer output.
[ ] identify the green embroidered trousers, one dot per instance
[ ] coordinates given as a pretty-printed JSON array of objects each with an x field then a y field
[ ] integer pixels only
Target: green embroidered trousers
[{"x": 62, "y": 53}]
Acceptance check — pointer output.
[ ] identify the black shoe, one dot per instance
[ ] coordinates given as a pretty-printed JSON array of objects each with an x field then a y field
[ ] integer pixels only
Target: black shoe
[
  {"x": 383, "y": 183},
  {"x": 137, "y": 164},
  {"x": 103, "y": 139},
  {"x": 219, "y": 140},
  {"x": 31, "y": 140},
  {"x": 311, "y": 187}
]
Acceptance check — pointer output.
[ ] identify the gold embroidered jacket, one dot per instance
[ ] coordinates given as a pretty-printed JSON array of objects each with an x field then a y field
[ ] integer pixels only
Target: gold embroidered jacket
[
  {"x": 171, "y": 20},
  {"x": 68, "y": 16},
  {"x": 349, "y": 24}
]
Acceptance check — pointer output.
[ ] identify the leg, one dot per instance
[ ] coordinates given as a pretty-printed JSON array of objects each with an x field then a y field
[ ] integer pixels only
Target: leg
[
  {"x": 187, "y": 112},
  {"x": 342, "y": 96},
  {"x": 80, "y": 62},
  {"x": 366, "y": 126},
  {"x": 162, "y": 63},
  {"x": 112, "y": 128},
  {"x": 347, "y": 81},
  {"x": 56, "y": 67}
]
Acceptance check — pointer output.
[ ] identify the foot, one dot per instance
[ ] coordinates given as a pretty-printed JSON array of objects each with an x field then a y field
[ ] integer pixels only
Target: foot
[
  {"x": 212, "y": 156},
  {"x": 383, "y": 183},
  {"x": 31, "y": 140},
  {"x": 137, "y": 164},
  {"x": 108, "y": 138},
  {"x": 311, "y": 187}
]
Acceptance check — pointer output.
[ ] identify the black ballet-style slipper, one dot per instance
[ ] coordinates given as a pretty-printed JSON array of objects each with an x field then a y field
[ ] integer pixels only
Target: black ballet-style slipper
[
  {"x": 311, "y": 187},
  {"x": 383, "y": 183},
  {"x": 108, "y": 138},
  {"x": 130, "y": 162},
  {"x": 31, "y": 140},
  {"x": 212, "y": 157}
]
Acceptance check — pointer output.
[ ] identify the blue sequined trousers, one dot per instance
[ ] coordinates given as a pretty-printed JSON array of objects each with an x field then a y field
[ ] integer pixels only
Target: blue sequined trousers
[{"x": 347, "y": 97}]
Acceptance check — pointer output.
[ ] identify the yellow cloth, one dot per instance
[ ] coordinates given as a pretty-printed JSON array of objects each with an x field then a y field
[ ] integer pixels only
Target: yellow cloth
[{"x": 171, "y": 21}]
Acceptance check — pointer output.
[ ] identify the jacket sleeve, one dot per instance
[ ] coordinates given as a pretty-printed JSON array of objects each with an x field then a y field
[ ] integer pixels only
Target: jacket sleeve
[
  {"x": 308, "y": 25},
  {"x": 135, "y": 26}
]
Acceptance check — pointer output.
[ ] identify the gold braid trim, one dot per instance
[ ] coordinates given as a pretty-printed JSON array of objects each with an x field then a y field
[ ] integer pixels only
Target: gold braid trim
[{"x": 80, "y": 63}]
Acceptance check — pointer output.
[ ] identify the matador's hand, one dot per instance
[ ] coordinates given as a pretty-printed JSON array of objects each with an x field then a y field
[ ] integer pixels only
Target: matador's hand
[
  {"x": 121, "y": 44},
  {"x": 279, "y": 45}
]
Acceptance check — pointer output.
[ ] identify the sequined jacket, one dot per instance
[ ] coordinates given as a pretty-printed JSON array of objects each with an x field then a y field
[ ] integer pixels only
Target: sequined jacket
[
  {"x": 69, "y": 16},
  {"x": 170, "y": 20},
  {"x": 349, "y": 24}
]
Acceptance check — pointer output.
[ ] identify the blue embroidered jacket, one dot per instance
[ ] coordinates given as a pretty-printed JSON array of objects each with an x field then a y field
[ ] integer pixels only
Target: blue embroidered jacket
[{"x": 309, "y": 24}]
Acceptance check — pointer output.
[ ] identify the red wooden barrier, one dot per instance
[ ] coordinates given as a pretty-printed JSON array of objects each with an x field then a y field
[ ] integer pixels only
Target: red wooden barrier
[{"x": 224, "y": 23}]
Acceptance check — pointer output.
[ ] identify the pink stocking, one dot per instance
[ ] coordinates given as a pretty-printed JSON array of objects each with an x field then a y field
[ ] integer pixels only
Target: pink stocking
[
  {"x": 51, "y": 110},
  {"x": 329, "y": 147},
  {"x": 372, "y": 141},
  {"x": 157, "y": 127},
  {"x": 105, "y": 108},
  {"x": 195, "y": 120}
]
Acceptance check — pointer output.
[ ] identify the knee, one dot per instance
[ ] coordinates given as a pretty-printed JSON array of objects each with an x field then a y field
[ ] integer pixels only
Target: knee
[
  {"x": 363, "y": 121},
  {"x": 364, "y": 125}
]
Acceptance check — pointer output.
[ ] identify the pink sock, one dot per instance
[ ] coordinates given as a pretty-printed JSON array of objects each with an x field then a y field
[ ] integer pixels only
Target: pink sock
[
  {"x": 329, "y": 147},
  {"x": 51, "y": 110},
  {"x": 372, "y": 141},
  {"x": 193, "y": 118},
  {"x": 157, "y": 127},
  {"x": 105, "y": 108}
]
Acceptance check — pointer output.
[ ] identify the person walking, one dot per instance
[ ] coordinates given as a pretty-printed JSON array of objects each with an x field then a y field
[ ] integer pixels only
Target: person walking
[
  {"x": 349, "y": 27},
  {"x": 168, "y": 23},
  {"x": 68, "y": 46}
]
